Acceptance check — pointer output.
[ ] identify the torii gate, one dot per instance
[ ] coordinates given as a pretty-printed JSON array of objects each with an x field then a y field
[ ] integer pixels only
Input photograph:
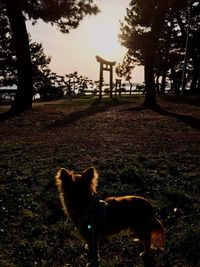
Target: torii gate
[{"x": 108, "y": 66}]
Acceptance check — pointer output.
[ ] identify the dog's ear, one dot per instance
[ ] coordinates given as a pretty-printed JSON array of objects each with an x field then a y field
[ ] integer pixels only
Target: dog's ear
[
  {"x": 63, "y": 176},
  {"x": 90, "y": 175}
]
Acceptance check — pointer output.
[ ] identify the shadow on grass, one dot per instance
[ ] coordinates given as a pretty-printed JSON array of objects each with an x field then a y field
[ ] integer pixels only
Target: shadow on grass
[
  {"x": 98, "y": 106},
  {"x": 189, "y": 120},
  {"x": 190, "y": 100}
]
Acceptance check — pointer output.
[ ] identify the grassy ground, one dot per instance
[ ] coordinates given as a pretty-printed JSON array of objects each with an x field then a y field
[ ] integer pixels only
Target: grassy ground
[{"x": 136, "y": 151}]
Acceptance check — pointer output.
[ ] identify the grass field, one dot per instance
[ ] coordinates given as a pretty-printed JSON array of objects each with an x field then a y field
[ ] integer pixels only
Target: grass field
[{"x": 138, "y": 151}]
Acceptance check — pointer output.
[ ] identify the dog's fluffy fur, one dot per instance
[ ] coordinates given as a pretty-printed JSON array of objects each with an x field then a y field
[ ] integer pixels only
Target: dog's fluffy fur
[{"x": 109, "y": 216}]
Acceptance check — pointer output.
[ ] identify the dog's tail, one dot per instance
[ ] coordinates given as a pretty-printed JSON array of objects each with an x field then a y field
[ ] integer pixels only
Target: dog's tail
[{"x": 157, "y": 235}]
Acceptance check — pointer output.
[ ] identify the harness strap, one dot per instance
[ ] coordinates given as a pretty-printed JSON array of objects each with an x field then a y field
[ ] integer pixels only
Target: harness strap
[{"x": 90, "y": 216}]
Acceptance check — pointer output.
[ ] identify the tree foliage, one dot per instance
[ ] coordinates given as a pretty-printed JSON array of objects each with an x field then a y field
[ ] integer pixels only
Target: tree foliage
[
  {"x": 140, "y": 34},
  {"x": 172, "y": 49},
  {"x": 8, "y": 67},
  {"x": 125, "y": 68},
  {"x": 154, "y": 32},
  {"x": 65, "y": 14}
]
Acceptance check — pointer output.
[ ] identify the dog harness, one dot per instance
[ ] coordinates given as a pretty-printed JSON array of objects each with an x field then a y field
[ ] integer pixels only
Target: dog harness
[{"x": 96, "y": 213}]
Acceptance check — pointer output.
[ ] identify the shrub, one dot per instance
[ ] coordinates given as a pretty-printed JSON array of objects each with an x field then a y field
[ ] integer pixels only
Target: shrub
[{"x": 50, "y": 92}]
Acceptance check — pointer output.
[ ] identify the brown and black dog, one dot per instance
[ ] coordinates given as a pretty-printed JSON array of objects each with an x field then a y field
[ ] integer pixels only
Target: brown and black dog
[{"x": 98, "y": 219}]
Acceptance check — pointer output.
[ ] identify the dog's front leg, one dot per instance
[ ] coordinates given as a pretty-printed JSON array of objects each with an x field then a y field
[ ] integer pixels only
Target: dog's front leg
[
  {"x": 93, "y": 253},
  {"x": 92, "y": 246}
]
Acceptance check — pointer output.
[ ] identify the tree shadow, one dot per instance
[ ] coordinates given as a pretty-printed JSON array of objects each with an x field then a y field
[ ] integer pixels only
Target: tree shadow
[
  {"x": 189, "y": 120},
  {"x": 190, "y": 100},
  {"x": 97, "y": 106},
  {"x": 136, "y": 108}
]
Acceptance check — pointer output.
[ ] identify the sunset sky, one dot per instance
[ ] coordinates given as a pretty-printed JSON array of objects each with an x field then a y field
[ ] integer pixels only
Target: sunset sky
[{"x": 96, "y": 35}]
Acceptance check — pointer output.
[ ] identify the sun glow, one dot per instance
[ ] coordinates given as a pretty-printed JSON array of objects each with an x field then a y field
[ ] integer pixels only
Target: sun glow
[
  {"x": 96, "y": 35},
  {"x": 104, "y": 41},
  {"x": 104, "y": 30}
]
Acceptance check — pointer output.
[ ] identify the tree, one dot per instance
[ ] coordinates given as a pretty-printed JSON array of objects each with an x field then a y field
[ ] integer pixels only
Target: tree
[
  {"x": 172, "y": 48},
  {"x": 64, "y": 13},
  {"x": 141, "y": 32},
  {"x": 170, "y": 61},
  {"x": 76, "y": 84},
  {"x": 125, "y": 69},
  {"x": 189, "y": 25},
  {"x": 23, "y": 99},
  {"x": 40, "y": 66},
  {"x": 8, "y": 71},
  {"x": 7, "y": 68}
]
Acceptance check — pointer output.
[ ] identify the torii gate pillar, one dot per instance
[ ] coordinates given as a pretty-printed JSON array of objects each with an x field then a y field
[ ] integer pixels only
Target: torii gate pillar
[{"x": 107, "y": 66}]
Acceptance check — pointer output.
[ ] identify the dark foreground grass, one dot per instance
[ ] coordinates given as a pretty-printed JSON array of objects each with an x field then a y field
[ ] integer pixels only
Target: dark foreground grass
[{"x": 136, "y": 152}]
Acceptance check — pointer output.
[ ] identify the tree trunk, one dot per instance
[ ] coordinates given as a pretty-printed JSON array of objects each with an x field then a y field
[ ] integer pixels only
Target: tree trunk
[
  {"x": 157, "y": 85},
  {"x": 198, "y": 85},
  {"x": 23, "y": 99},
  {"x": 163, "y": 82},
  {"x": 176, "y": 81},
  {"x": 195, "y": 76},
  {"x": 131, "y": 86},
  {"x": 150, "y": 88},
  {"x": 150, "y": 54}
]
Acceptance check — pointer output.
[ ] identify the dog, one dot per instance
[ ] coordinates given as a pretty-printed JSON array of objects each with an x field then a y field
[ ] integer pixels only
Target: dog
[{"x": 98, "y": 219}]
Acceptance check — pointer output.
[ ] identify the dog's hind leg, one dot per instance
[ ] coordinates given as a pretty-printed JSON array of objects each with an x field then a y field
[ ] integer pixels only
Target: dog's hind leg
[
  {"x": 147, "y": 247},
  {"x": 145, "y": 238}
]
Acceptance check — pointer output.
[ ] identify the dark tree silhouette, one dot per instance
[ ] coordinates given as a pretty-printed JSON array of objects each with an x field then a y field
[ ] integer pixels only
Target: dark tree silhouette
[
  {"x": 65, "y": 14},
  {"x": 23, "y": 99},
  {"x": 125, "y": 69},
  {"x": 8, "y": 71},
  {"x": 172, "y": 47},
  {"x": 141, "y": 32}
]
